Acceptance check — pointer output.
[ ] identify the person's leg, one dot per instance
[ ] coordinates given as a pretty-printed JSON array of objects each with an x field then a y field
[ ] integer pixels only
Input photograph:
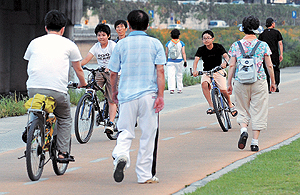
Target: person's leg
[
  {"x": 171, "y": 76},
  {"x": 179, "y": 68},
  {"x": 268, "y": 76},
  {"x": 63, "y": 117},
  {"x": 277, "y": 76},
  {"x": 126, "y": 125},
  {"x": 148, "y": 122},
  {"x": 258, "y": 110},
  {"x": 206, "y": 92}
]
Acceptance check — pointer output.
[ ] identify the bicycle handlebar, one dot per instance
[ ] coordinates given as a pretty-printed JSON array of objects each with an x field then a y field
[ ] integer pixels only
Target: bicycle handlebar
[{"x": 209, "y": 72}]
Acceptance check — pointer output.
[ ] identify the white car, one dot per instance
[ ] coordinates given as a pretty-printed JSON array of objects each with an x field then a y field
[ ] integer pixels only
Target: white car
[
  {"x": 217, "y": 24},
  {"x": 177, "y": 26}
]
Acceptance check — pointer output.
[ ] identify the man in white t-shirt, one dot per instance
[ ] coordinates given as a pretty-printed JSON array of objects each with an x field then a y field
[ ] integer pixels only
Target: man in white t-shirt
[
  {"x": 102, "y": 51},
  {"x": 49, "y": 59}
]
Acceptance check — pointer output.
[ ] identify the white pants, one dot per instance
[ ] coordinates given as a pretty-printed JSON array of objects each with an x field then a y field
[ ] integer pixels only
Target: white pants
[
  {"x": 148, "y": 123},
  {"x": 175, "y": 69}
]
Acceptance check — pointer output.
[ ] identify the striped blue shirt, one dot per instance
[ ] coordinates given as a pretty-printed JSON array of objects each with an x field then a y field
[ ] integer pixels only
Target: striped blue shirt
[{"x": 136, "y": 56}]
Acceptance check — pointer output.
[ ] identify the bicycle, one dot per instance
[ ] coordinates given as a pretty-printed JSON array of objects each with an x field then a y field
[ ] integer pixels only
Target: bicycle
[
  {"x": 86, "y": 107},
  {"x": 41, "y": 139},
  {"x": 220, "y": 103}
]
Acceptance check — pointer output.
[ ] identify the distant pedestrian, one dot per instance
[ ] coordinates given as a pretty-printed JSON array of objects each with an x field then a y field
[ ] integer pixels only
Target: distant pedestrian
[
  {"x": 251, "y": 99},
  {"x": 121, "y": 28},
  {"x": 274, "y": 39},
  {"x": 102, "y": 51},
  {"x": 175, "y": 52},
  {"x": 212, "y": 54},
  {"x": 140, "y": 94}
]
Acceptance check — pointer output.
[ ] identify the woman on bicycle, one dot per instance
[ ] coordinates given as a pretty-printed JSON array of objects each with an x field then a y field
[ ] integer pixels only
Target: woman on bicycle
[{"x": 211, "y": 54}]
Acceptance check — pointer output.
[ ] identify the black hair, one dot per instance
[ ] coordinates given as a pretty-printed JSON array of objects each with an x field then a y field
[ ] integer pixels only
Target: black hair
[
  {"x": 138, "y": 20},
  {"x": 208, "y": 32},
  {"x": 250, "y": 23},
  {"x": 120, "y": 22},
  {"x": 55, "y": 20},
  {"x": 175, "y": 34},
  {"x": 102, "y": 28}
]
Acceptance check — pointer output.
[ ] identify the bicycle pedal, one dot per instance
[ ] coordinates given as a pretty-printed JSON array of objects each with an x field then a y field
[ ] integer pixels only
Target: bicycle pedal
[{"x": 23, "y": 155}]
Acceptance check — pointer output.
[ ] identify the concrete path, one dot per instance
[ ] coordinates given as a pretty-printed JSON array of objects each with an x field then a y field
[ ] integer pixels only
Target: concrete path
[{"x": 191, "y": 146}]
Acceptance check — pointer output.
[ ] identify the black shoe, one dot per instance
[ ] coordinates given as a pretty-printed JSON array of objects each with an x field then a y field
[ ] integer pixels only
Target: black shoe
[
  {"x": 277, "y": 89},
  {"x": 24, "y": 134},
  {"x": 120, "y": 169},
  {"x": 254, "y": 148},
  {"x": 66, "y": 158},
  {"x": 243, "y": 140}
]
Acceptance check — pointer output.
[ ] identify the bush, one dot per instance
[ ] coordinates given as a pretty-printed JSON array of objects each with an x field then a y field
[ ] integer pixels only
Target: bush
[{"x": 12, "y": 105}]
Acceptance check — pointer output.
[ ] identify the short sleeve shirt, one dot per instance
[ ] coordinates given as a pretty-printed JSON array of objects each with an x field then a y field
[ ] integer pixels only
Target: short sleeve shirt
[
  {"x": 136, "y": 56},
  {"x": 262, "y": 50},
  {"x": 49, "y": 59},
  {"x": 211, "y": 58},
  {"x": 179, "y": 45},
  {"x": 103, "y": 54}
]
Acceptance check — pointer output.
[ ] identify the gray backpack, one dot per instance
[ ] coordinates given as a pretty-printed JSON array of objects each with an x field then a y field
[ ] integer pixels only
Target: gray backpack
[
  {"x": 247, "y": 73},
  {"x": 174, "y": 51}
]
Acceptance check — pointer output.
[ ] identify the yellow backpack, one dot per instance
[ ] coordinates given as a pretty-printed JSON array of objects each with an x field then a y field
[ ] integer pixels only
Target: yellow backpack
[{"x": 41, "y": 102}]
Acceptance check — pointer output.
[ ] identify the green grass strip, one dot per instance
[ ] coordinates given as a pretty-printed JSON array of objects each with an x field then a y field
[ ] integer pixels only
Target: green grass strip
[{"x": 275, "y": 172}]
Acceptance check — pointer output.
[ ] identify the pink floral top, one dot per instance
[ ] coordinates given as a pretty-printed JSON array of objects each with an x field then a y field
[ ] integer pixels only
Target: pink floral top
[{"x": 262, "y": 50}]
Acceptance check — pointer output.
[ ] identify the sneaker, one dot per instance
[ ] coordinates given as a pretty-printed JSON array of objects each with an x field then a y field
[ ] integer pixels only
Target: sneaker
[
  {"x": 152, "y": 180},
  {"x": 120, "y": 168},
  {"x": 254, "y": 148},
  {"x": 243, "y": 140},
  {"x": 172, "y": 92},
  {"x": 277, "y": 89},
  {"x": 109, "y": 128},
  {"x": 180, "y": 92}
]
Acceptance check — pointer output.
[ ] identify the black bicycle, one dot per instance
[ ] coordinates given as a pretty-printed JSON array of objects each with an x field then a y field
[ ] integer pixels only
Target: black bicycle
[
  {"x": 87, "y": 106},
  {"x": 220, "y": 103},
  {"x": 40, "y": 137}
]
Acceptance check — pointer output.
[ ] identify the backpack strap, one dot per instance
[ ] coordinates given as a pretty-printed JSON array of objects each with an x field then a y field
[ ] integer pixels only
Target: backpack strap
[
  {"x": 254, "y": 49},
  {"x": 241, "y": 48}
]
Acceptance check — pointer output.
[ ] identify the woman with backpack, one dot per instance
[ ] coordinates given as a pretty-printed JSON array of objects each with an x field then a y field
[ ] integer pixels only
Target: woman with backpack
[
  {"x": 175, "y": 52},
  {"x": 251, "y": 96}
]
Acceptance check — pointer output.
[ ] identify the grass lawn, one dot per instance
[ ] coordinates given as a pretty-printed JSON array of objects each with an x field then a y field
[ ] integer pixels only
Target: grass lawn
[{"x": 275, "y": 172}]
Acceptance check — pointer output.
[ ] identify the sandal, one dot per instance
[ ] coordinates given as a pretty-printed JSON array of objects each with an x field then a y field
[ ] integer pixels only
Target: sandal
[
  {"x": 66, "y": 157},
  {"x": 233, "y": 111},
  {"x": 210, "y": 110}
]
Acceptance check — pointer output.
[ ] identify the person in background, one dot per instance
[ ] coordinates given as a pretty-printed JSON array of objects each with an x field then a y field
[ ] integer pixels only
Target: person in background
[
  {"x": 102, "y": 51},
  {"x": 175, "y": 66},
  {"x": 251, "y": 99},
  {"x": 274, "y": 39},
  {"x": 49, "y": 59},
  {"x": 140, "y": 93},
  {"x": 211, "y": 54},
  {"x": 121, "y": 28}
]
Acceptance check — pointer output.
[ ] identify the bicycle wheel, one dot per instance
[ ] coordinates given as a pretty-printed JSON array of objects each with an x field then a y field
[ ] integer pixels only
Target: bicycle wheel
[
  {"x": 114, "y": 135},
  {"x": 226, "y": 107},
  {"x": 59, "y": 168},
  {"x": 84, "y": 119},
  {"x": 34, "y": 150},
  {"x": 219, "y": 109}
]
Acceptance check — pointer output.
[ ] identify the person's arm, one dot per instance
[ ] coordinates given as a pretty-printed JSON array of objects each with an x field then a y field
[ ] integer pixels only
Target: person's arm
[
  {"x": 281, "y": 51},
  {"x": 184, "y": 55},
  {"x": 159, "y": 102},
  {"x": 80, "y": 74},
  {"x": 269, "y": 66},
  {"x": 226, "y": 57},
  {"x": 167, "y": 51},
  {"x": 86, "y": 60},
  {"x": 114, "y": 87},
  {"x": 195, "y": 64},
  {"x": 231, "y": 70}
]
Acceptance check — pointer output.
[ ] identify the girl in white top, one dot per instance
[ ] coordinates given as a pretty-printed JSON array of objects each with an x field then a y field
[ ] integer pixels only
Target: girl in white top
[{"x": 102, "y": 51}]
